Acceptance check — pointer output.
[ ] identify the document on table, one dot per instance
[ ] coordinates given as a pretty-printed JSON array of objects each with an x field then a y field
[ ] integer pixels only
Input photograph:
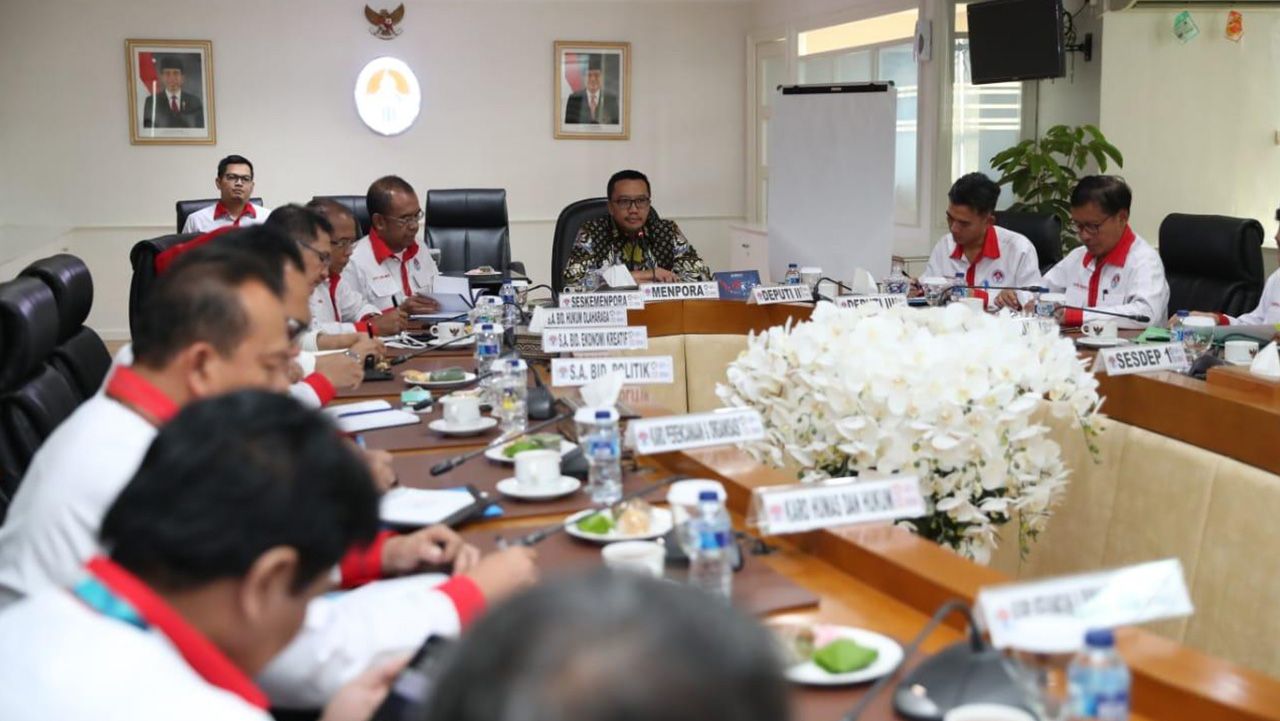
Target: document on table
[
  {"x": 454, "y": 295},
  {"x": 374, "y": 420}
]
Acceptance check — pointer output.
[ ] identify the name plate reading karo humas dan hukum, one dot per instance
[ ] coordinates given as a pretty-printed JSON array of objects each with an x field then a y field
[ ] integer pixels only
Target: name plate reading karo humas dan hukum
[
  {"x": 696, "y": 430},
  {"x": 837, "y": 502},
  {"x": 1143, "y": 359},
  {"x": 770, "y": 294},
  {"x": 635, "y": 370},
  {"x": 584, "y": 317},
  {"x": 631, "y": 300},
  {"x": 654, "y": 292},
  {"x": 882, "y": 301},
  {"x": 560, "y": 340}
]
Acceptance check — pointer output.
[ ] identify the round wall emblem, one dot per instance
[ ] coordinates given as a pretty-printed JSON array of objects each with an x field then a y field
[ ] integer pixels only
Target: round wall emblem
[{"x": 388, "y": 97}]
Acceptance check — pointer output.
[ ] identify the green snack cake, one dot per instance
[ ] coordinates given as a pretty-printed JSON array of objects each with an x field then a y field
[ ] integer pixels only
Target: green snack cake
[
  {"x": 844, "y": 656},
  {"x": 446, "y": 375}
]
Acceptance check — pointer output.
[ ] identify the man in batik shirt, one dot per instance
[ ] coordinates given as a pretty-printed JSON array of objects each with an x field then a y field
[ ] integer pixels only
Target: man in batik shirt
[{"x": 654, "y": 250}]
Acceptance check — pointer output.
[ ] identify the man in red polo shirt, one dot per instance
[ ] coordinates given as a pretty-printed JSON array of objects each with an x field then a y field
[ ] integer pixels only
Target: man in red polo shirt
[
  {"x": 235, "y": 187},
  {"x": 391, "y": 267}
]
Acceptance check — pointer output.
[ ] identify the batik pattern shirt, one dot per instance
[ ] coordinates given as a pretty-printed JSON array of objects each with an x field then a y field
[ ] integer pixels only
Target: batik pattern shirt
[{"x": 659, "y": 243}]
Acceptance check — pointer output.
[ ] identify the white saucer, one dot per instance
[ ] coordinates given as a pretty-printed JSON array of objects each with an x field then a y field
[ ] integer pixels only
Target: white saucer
[
  {"x": 1088, "y": 342},
  {"x": 660, "y": 523},
  {"x": 811, "y": 674},
  {"x": 439, "y": 425},
  {"x": 560, "y": 487},
  {"x": 1240, "y": 364},
  {"x": 496, "y": 454},
  {"x": 451, "y": 343},
  {"x": 467, "y": 377}
]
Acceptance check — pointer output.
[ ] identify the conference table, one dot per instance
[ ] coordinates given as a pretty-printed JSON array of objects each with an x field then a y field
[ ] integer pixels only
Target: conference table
[{"x": 880, "y": 577}]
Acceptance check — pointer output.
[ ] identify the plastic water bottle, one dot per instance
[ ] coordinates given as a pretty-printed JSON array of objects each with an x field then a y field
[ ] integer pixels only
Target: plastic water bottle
[
  {"x": 1176, "y": 332},
  {"x": 958, "y": 290},
  {"x": 896, "y": 283},
  {"x": 1098, "y": 680},
  {"x": 510, "y": 313},
  {"x": 512, "y": 399},
  {"x": 598, "y": 437},
  {"x": 710, "y": 564},
  {"x": 793, "y": 274},
  {"x": 488, "y": 348}
]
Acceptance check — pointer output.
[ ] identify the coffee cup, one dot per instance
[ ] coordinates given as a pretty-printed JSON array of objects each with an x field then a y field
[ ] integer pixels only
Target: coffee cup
[
  {"x": 461, "y": 410},
  {"x": 448, "y": 330},
  {"x": 643, "y": 557},
  {"x": 935, "y": 289},
  {"x": 1100, "y": 329},
  {"x": 537, "y": 469},
  {"x": 987, "y": 712},
  {"x": 1240, "y": 352}
]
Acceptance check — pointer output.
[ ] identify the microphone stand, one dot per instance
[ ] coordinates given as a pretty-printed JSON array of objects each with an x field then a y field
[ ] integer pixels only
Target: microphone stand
[
  {"x": 451, "y": 463},
  {"x": 410, "y": 356},
  {"x": 1126, "y": 316},
  {"x": 824, "y": 279},
  {"x": 1024, "y": 289}
]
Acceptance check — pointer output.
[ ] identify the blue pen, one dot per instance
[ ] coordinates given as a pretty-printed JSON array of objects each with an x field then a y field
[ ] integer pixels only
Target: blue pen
[{"x": 359, "y": 439}]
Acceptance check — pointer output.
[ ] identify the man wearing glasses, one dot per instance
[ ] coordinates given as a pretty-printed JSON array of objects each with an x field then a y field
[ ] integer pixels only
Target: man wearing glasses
[
  {"x": 235, "y": 187},
  {"x": 393, "y": 268},
  {"x": 336, "y": 307},
  {"x": 654, "y": 250},
  {"x": 1114, "y": 268}
]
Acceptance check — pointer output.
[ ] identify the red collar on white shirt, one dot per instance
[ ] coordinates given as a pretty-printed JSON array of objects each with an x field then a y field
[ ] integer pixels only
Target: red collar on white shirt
[
  {"x": 220, "y": 211},
  {"x": 990, "y": 246},
  {"x": 381, "y": 252},
  {"x": 133, "y": 391},
  {"x": 1118, "y": 254},
  {"x": 198, "y": 651}
]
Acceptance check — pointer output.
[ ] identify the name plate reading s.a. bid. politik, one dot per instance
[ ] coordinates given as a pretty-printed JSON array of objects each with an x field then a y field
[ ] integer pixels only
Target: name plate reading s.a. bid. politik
[
  {"x": 696, "y": 430},
  {"x": 1143, "y": 359},
  {"x": 838, "y": 502},
  {"x": 583, "y": 317},
  {"x": 561, "y": 340},
  {"x": 770, "y": 294},
  {"x": 635, "y": 370},
  {"x": 883, "y": 301},
  {"x": 654, "y": 292},
  {"x": 629, "y": 299}
]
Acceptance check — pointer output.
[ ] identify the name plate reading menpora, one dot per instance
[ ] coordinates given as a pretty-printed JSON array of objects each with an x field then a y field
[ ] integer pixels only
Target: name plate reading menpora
[
  {"x": 654, "y": 292},
  {"x": 1105, "y": 599},
  {"x": 838, "y": 502},
  {"x": 770, "y": 294},
  {"x": 635, "y": 370},
  {"x": 697, "y": 430},
  {"x": 1143, "y": 359},
  {"x": 584, "y": 317},
  {"x": 857, "y": 301},
  {"x": 559, "y": 340},
  {"x": 629, "y": 299}
]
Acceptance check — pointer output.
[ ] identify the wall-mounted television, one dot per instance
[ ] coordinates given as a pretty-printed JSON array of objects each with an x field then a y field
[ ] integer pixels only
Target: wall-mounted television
[{"x": 1016, "y": 40}]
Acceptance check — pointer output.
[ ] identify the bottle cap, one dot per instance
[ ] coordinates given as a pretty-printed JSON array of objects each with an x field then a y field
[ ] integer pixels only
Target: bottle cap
[
  {"x": 708, "y": 495},
  {"x": 1100, "y": 638},
  {"x": 486, "y": 326},
  {"x": 587, "y": 414}
]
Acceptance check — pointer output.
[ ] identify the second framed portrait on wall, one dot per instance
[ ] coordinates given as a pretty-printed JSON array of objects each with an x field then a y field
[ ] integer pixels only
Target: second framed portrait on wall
[
  {"x": 593, "y": 90},
  {"x": 170, "y": 92}
]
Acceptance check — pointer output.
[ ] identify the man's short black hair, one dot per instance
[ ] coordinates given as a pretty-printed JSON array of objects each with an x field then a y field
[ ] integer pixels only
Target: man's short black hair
[
  {"x": 300, "y": 224},
  {"x": 975, "y": 191},
  {"x": 232, "y": 477},
  {"x": 233, "y": 160},
  {"x": 198, "y": 300},
  {"x": 263, "y": 241},
  {"x": 170, "y": 62},
  {"x": 1110, "y": 192},
  {"x": 328, "y": 208},
  {"x": 628, "y": 175},
  {"x": 378, "y": 199},
  {"x": 606, "y": 647}
]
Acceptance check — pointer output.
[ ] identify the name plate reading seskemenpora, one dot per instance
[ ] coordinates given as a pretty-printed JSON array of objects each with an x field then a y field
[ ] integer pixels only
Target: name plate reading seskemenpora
[
  {"x": 857, "y": 301},
  {"x": 837, "y": 502},
  {"x": 654, "y": 292},
  {"x": 635, "y": 370},
  {"x": 629, "y": 299},
  {"x": 585, "y": 317},
  {"x": 770, "y": 294},
  {"x": 1143, "y": 359},
  {"x": 696, "y": 430},
  {"x": 560, "y": 340}
]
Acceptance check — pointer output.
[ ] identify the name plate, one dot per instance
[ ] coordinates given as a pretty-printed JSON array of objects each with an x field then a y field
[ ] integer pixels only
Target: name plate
[
  {"x": 559, "y": 340},
  {"x": 636, "y": 370},
  {"x": 770, "y": 294},
  {"x": 1106, "y": 599},
  {"x": 698, "y": 430},
  {"x": 653, "y": 292},
  {"x": 838, "y": 502},
  {"x": 1143, "y": 359},
  {"x": 629, "y": 299},
  {"x": 883, "y": 301},
  {"x": 583, "y": 317}
]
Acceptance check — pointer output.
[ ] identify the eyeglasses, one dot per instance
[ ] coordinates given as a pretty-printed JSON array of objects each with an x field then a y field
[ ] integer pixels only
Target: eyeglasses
[
  {"x": 408, "y": 219},
  {"x": 233, "y": 178},
  {"x": 639, "y": 203},
  {"x": 1088, "y": 228},
  {"x": 294, "y": 328},
  {"x": 324, "y": 257},
  {"x": 343, "y": 244}
]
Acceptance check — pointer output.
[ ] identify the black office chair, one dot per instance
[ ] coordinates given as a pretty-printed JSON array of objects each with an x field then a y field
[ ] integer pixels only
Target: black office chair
[
  {"x": 1212, "y": 262},
  {"x": 1044, "y": 230},
  {"x": 81, "y": 356},
  {"x": 470, "y": 228},
  {"x": 143, "y": 259},
  {"x": 187, "y": 207},
  {"x": 358, "y": 206},
  {"x": 567, "y": 226}
]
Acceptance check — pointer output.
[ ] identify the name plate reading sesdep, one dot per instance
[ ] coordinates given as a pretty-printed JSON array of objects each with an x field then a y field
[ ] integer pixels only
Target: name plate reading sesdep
[
  {"x": 1143, "y": 359},
  {"x": 629, "y": 299},
  {"x": 883, "y": 301},
  {"x": 838, "y": 502},
  {"x": 770, "y": 294},
  {"x": 584, "y": 317},
  {"x": 697, "y": 430},
  {"x": 559, "y": 340},
  {"x": 635, "y": 370},
  {"x": 709, "y": 290}
]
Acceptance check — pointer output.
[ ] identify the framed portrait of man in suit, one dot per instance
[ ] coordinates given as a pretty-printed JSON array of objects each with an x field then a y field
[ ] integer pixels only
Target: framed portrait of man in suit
[
  {"x": 592, "y": 90},
  {"x": 170, "y": 92}
]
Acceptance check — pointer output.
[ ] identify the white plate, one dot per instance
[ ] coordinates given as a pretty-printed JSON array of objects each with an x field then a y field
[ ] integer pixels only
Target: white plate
[
  {"x": 495, "y": 454},
  {"x": 451, "y": 343},
  {"x": 467, "y": 377},
  {"x": 659, "y": 525},
  {"x": 1088, "y": 342},
  {"x": 811, "y": 674},
  {"x": 561, "y": 487},
  {"x": 440, "y": 426}
]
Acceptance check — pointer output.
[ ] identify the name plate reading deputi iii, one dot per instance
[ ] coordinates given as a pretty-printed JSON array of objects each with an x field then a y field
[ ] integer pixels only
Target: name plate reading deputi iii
[
  {"x": 1143, "y": 359},
  {"x": 635, "y": 370},
  {"x": 697, "y": 430},
  {"x": 837, "y": 502},
  {"x": 560, "y": 340},
  {"x": 654, "y": 292},
  {"x": 857, "y": 301},
  {"x": 629, "y": 299},
  {"x": 770, "y": 294},
  {"x": 585, "y": 317},
  {"x": 1104, "y": 599}
]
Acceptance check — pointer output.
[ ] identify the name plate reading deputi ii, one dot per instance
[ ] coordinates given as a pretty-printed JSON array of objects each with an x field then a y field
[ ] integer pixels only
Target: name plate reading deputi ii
[
  {"x": 629, "y": 299},
  {"x": 584, "y": 317},
  {"x": 560, "y": 340},
  {"x": 770, "y": 294},
  {"x": 635, "y": 370},
  {"x": 1143, "y": 359},
  {"x": 857, "y": 301},
  {"x": 654, "y": 292},
  {"x": 838, "y": 502},
  {"x": 697, "y": 430},
  {"x": 1105, "y": 599}
]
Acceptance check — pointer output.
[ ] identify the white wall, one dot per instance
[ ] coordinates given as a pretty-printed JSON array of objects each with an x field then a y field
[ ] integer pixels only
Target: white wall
[
  {"x": 1075, "y": 99},
  {"x": 283, "y": 92}
]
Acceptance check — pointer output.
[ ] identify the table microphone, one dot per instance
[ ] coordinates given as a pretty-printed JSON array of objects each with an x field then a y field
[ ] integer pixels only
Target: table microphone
[
  {"x": 841, "y": 286},
  {"x": 1024, "y": 289},
  {"x": 451, "y": 463},
  {"x": 410, "y": 356},
  {"x": 1127, "y": 316}
]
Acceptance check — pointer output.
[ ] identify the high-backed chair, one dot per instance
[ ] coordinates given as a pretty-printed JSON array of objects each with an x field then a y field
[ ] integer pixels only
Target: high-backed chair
[
  {"x": 1044, "y": 230},
  {"x": 567, "y": 227},
  {"x": 470, "y": 229},
  {"x": 143, "y": 259},
  {"x": 187, "y": 207},
  {"x": 81, "y": 356},
  {"x": 1212, "y": 262},
  {"x": 358, "y": 206}
]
